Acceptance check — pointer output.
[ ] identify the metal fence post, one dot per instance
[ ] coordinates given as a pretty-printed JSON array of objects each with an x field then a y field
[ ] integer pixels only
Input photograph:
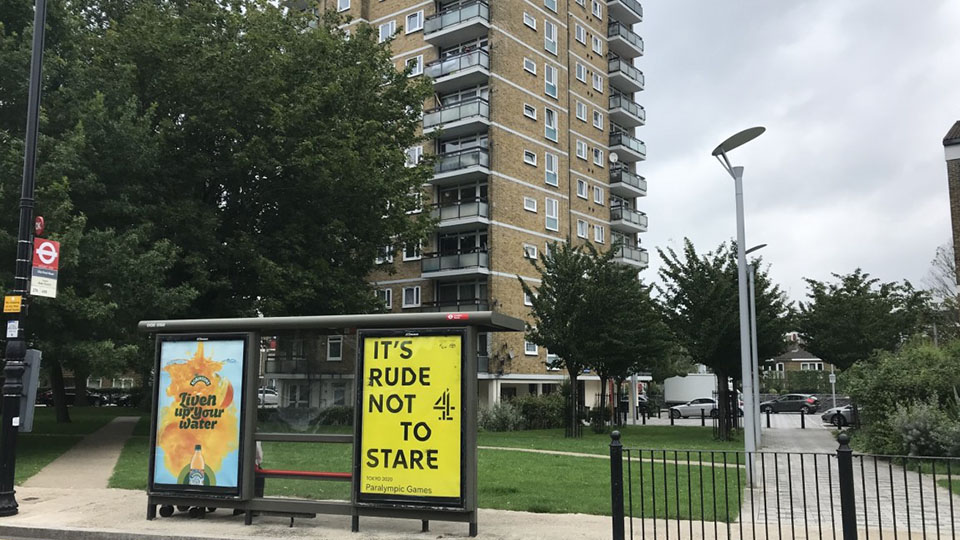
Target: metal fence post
[
  {"x": 671, "y": 419},
  {"x": 616, "y": 484},
  {"x": 768, "y": 418},
  {"x": 703, "y": 419},
  {"x": 848, "y": 510},
  {"x": 803, "y": 419}
]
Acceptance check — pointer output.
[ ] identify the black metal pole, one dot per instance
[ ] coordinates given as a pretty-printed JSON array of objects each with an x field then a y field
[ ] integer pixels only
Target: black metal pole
[
  {"x": 17, "y": 347},
  {"x": 616, "y": 484},
  {"x": 848, "y": 510},
  {"x": 803, "y": 419}
]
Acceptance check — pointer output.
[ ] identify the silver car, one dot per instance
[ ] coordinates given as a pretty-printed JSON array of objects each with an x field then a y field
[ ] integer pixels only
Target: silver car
[
  {"x": 694, "y": 407},
  {"x": 840, "y": 416}
]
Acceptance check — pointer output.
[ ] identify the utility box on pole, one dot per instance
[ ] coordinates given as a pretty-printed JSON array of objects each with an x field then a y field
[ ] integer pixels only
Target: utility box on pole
[{"x": 31, "y": 377}]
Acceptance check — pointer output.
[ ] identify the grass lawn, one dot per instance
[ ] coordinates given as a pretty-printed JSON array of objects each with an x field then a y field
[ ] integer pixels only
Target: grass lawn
[
  {"x": 513, "y": 480},
  {"x": 953, "y": 486},
  {"x": 49, "y": 440},
  {"x": 646, "y": 437}
]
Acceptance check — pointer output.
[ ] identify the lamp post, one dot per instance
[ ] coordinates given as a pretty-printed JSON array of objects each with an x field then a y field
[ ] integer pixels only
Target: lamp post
[
  {"x": 17, "y": 346},
  {"x": 749, "y": 413},
  {"x": 755, "y": 352}
]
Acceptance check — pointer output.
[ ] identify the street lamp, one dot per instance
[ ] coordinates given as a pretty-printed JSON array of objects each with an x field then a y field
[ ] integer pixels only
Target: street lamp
[
  {"x": 749, "y": 413},
  {"x": 755, "y": 362}
]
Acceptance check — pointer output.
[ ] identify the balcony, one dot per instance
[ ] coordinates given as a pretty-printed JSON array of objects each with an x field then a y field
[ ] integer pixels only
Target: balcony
[
  {"x": 623, "y": 76},
  {"x": 633, "y": 256},
  {"x": 627, "y": 220},
  {"x": 625, "y": 112},
  {"x": 461, "y": 167},
  {"x": 626, "y": 11},
  {"x": 623, "y": 41},
  {"x": 458, "y": 24},
  {"x": 624, "y": 183},
  {"x": 463, "y": 215},
  {"x": 460, "y": 71},
  {"x": 456, "y": 264},
  {"x": 458, "y": 305},
  {"x": 463, "y": 118},
  {"x": 628, "y": 149}
]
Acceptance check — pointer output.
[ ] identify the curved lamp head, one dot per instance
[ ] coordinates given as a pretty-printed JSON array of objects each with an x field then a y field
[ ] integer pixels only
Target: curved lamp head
[
  {"x": 754, "y": 248},
  {"x": 738, "y": 139}
]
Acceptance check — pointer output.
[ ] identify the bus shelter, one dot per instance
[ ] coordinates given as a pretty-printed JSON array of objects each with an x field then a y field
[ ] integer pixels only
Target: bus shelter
[{"x": 414, "y": 436}]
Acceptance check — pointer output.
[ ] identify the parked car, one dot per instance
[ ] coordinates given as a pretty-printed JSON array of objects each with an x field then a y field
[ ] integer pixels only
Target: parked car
[
  {"x": 791, "y": 403},
  {"x": 694, "y": 406},
  {"x": 268, "y": 398},
  {"x": 840, "y": 416},
  {"x": 70, "y": 394}
]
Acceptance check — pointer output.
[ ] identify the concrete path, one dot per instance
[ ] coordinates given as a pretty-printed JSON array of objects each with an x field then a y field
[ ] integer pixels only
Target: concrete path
[{"x": 89, "y": 464}]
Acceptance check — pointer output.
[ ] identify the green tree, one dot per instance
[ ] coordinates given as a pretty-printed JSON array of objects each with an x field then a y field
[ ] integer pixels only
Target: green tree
[
  {"x": 204, "y": 159},
  {"x": 701, "y": 304},
  {"x": 845, "y": 321}
]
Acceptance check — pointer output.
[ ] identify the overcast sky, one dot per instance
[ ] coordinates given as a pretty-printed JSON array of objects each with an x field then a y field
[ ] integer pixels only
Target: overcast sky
[{"x": 856, "y": 96}]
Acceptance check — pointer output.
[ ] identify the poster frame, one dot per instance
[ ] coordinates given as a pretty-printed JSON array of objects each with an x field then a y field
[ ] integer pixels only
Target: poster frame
[
  {"x": 244, "y": 445},
  {"x": 466, "y": 468}
]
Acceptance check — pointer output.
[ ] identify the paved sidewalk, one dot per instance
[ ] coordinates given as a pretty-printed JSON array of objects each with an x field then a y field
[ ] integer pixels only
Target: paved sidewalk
[{"x": 89, "y": 464}]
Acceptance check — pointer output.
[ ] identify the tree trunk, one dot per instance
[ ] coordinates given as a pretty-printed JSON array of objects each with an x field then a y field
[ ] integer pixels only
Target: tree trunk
[
  {"x": 601, "y": 418},
  {"x": 574, "y": 402},
  {"x": 723, "y": 418},
  {"x": 59, "y": 395}
]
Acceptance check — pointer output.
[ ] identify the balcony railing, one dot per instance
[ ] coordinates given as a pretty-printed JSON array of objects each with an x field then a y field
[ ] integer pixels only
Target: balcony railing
[
  {"x": 621, "y": 213},
  {"x": 624, "y": 176},
  {"x": 457, "y": 14},
  {"x": 621, "y": 138},
  {"x": 462, "y": 209},
  {"x": 288, "y": 364},
  {"x": 623, "y": 67},
  {"x": 616, "y": 29},
  {"x": 463, "y": 159},
  {"x": 461, "y": 304},
  {"x": 633, "y": 6},
  {"x": 460, "y": 62},
  {"x": 636, "y": 254},
  {"x": 470, "y": 108},
  {"x": 619, "y": 101},
  {"x": 440, "y": 262}
]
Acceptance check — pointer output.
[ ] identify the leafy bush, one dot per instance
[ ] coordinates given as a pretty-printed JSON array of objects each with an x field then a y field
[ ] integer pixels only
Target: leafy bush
[
  {"x": 338, "y": 415},
  {"x": 541, "y": 412},
  {"x": 924, "y": 429},
  {"x": 503, "y": 416}
]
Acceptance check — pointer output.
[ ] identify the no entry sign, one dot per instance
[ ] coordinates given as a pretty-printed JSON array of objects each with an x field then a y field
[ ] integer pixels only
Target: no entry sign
[{"x": 46, "y": 262}]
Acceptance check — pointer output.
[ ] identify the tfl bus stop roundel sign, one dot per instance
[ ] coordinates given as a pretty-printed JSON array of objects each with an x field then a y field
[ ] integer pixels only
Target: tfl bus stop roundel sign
[{"x": 410, "y": 428}]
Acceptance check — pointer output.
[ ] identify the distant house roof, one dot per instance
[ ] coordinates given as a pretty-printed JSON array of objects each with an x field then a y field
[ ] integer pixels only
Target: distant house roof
[
  {"x": 793, "y": 355},
  {"x": 953, "y": 136}
]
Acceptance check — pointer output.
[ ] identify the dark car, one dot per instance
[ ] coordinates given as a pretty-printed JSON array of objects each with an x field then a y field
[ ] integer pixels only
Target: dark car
[
  {"x": 791, "y": 403},
  {"x": 70, "y": 395}
]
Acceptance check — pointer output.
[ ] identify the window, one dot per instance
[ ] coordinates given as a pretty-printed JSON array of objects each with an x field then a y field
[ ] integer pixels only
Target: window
[
  {"x": 297, "y": 395},
  {"x": 581, "y": 150},
  {"x": 414, "y": 153},
  {"x": 549, "y": 36},
  {"x": 387, "y": 30},
  {"x": 529, "y": 349},
  {"x": 581, "y": 228},
  {"x": 339, "y": 393},
  {"x": 553, "y": 214},
  {"x": 598, "y": 157},
  {"x": 551, "y": 4},
  {"x": 598, "y": 233},
  {"x": 527, "y": 300},
  {"x": 581, "y": 111},
  {"x": 597, "y": 9},
  {"x": 550, "y": 165},
  {"x": 384, "y": 255},
  {"x": 550, "y": 124},
  {"x": 386, "y": 296},
  {"x": 529, "y": 20},
  {"x": 529, "y": 158},
  {"x": 582, "y": 188},
  {"x": 414, "y": 22},
  {"x": 581, "y": 73},
  {"x": 530, "y": 204},
  {"x": 779, "y": 366},
  {"x": 597, "y": 119},
  {"x": 334, "y": 348},
  {"x": 343, "y": 5},
  {"x": 529, "y": 251},
  {"x": 598, "y": 195},
  {"x": 417, "y": 63},
  {"x": 530, "y": 66},
  {"x": 529, "y": 111},
  {"x": 411, "y": 296},
  {"x": 550, "y": 80},
  {"x": 597, "y": 82},
  {"x": 597, "y": 45},
  {"x": 581, "y": 34},
  {"x": 411, "y": 252}
]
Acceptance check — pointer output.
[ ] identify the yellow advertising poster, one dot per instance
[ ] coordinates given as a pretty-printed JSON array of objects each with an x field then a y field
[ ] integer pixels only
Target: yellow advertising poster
[
  {"x": 200, "y": 384},
  {"x": 411, "y": 416}
]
